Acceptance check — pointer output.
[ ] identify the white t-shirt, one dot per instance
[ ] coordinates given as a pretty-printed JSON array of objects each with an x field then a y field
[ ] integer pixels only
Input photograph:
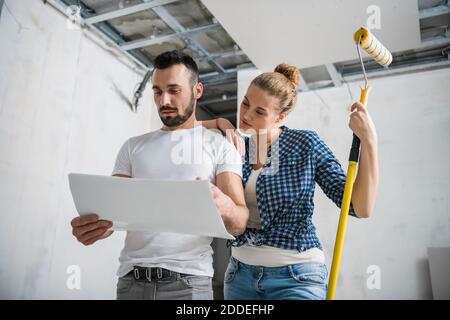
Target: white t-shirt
[{"x": 173, "y": 155}]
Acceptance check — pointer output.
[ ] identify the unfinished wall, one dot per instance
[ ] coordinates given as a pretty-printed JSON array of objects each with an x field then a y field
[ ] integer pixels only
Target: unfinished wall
[
  {"x": 63, "y": 108},
  {"x": 412, "y": 116}
]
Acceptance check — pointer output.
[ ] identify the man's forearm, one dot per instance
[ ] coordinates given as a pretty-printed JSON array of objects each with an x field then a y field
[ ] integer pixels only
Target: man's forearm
[{"x": 236, "y": 220}]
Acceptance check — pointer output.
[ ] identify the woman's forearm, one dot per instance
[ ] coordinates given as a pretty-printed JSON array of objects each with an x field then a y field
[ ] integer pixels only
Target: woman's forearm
[{"x": 365, "y": 187}]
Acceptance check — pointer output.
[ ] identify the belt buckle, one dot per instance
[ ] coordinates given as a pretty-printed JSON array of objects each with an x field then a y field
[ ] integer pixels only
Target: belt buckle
[{"x": 136, "y": 273}]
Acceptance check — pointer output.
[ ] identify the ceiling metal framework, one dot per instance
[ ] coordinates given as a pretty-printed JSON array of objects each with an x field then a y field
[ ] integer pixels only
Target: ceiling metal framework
[
  {"x": 147, "y": 5},
  {"x": 135, "y": 48},
  {"x": 219, "y": 77},
  {"x": 100, "y": 22}
]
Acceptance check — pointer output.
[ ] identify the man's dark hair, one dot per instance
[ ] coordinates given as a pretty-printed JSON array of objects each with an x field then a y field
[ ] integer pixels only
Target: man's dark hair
[{"x": 169, "y": 58}]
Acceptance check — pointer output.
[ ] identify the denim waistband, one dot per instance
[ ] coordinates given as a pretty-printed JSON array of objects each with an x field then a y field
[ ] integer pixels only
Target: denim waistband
[{"x": 305, "y": 267}]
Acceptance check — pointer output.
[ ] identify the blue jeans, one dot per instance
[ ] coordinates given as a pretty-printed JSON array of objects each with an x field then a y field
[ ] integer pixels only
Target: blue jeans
[{"x": 304, "y": 281}]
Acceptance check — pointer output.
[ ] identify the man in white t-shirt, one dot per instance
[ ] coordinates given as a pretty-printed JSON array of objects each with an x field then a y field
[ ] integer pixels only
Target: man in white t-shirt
[{"x": 162, "y": 265}]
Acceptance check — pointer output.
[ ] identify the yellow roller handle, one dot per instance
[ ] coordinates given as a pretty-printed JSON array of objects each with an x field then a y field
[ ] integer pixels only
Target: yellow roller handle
[
  {"x": 364, "y": 94},
  {"x": 345, "y": 207},
  {"x": 339, "y": 243}
]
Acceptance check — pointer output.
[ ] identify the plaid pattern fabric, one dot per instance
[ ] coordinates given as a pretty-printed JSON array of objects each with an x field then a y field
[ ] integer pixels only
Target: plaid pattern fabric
[{"x": 285, "y": 189}]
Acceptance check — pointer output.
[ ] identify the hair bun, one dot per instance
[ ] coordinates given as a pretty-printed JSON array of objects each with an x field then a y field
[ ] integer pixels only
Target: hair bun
[{"x": 290, "y": 72}]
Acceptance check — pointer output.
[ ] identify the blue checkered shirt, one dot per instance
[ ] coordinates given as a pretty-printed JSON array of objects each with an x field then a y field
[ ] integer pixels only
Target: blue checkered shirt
[{"x": 285, "y": 189}]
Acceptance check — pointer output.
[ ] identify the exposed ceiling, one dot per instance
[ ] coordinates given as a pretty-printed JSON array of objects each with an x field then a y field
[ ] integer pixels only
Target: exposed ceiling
[
  {"x": 316, "y": 36},
  {"x": 143, "y": 29},
  {"x": 311, "y": 33}
]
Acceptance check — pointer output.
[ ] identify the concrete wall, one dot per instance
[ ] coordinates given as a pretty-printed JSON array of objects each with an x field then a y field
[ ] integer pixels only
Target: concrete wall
[
  {"x": 412, "y": 116},
  {"x": 63, "y": 108}
]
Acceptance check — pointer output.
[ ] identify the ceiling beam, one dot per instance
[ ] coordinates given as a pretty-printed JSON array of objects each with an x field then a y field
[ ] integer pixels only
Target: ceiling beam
[
  {"x": 156, "y": 40},
  {"x": 181, "y": 31},
  {"x": 320, "y": 84},
  {"x": 113, "y": 36},
  {"x": 127, "y": 11},
  {"x": 224, "y": 54},
  {"x": 334, "y": 74},
  {"x": 401, "y": 70},
  {"x": 231, "y": 72},
  {"x": 302, "y": 85},
  {"x": 436, "y": 41},
  {"x": 434, "y": 12},
  {"x": 219, "y": 78}
]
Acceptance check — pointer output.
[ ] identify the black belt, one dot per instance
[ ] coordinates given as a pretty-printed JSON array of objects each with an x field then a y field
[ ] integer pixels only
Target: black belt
[{"x": 149, "y": 274}]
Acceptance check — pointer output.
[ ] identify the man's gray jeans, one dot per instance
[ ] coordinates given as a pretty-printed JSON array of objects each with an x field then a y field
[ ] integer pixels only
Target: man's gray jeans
[{"x": 175, "y": 287}]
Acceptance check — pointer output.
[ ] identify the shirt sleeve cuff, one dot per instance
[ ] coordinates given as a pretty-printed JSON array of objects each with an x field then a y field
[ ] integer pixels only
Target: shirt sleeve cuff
[{"x": 235, "y": 169}]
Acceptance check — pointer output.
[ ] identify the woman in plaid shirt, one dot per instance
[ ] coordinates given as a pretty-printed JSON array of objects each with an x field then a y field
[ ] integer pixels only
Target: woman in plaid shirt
[{"x": 279, "y": 256}]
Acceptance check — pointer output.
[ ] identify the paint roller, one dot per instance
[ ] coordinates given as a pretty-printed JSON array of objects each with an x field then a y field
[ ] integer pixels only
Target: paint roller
[{"x": 363, "y": 39}]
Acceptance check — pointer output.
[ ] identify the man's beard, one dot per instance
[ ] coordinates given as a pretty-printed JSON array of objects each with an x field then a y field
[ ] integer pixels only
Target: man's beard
[{"x": 178, "y": 119}]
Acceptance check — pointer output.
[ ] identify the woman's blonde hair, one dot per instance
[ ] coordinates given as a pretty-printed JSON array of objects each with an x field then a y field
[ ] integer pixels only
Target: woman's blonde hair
[{"x": 282, "y": 84}]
